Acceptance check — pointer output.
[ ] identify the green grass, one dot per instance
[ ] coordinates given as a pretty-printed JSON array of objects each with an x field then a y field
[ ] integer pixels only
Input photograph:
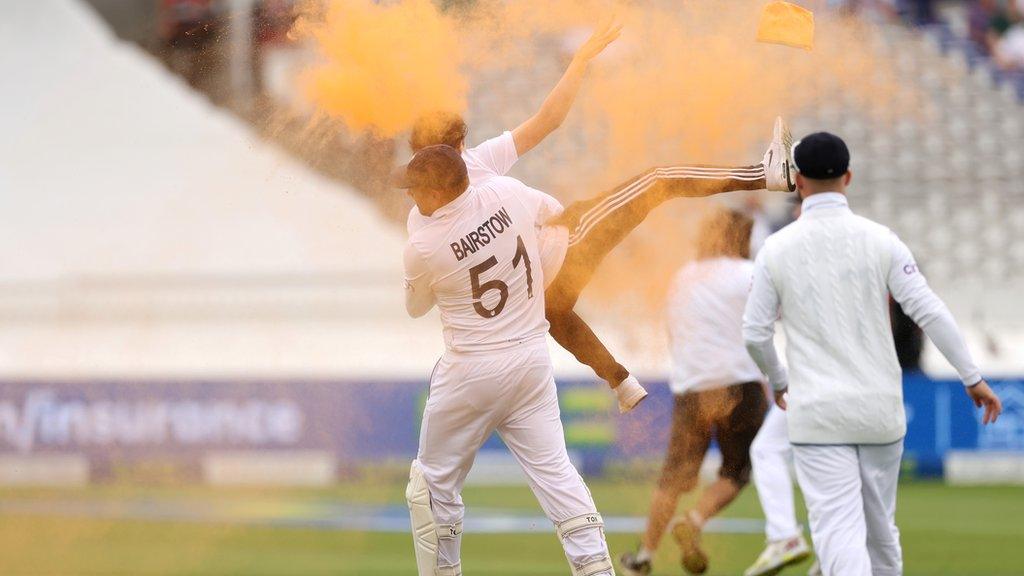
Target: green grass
[{"x": 962, "y": 531}]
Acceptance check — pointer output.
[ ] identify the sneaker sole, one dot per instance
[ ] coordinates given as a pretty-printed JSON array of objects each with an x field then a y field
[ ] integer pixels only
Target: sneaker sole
[
  {"x": 787, "y": 152},
  {"x": 788, "y": 178}
]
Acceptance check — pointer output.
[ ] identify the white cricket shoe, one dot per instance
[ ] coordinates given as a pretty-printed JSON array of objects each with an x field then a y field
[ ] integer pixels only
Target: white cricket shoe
[
  {"x": 630, "y": 393},
  {"x": 779, "y": 554},
  {"x": 779, "y": 170}
]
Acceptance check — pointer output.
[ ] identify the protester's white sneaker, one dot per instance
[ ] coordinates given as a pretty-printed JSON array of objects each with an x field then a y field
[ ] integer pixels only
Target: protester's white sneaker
[
  {"x": 630, "y": 393},
  {"x": 779, "y": 171},
  {"x": 779, "y": 554}
]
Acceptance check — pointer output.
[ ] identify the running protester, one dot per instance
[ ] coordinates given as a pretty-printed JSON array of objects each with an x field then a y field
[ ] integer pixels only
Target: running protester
[{"x": 719, "y": 391}]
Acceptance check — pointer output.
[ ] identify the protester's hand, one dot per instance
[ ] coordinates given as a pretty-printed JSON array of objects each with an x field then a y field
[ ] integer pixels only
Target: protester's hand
[
  {"x": 982, "y": 395},
  {"x": 605, "y": 33},
  {"x": 780, "y": 398}
]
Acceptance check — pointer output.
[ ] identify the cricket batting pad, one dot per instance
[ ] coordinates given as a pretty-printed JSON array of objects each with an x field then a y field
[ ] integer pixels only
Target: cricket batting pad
[
  {"x": 425, "y": 533},
  {"x": 786, "y": 24}
]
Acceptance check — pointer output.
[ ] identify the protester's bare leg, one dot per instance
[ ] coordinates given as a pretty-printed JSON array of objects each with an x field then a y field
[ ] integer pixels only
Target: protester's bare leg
[{"x": 601, "y": 223}]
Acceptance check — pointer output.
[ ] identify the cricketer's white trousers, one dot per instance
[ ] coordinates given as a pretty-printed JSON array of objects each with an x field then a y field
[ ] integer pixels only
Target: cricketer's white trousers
[
  {"x": 511, "y": 392},
  {"x": 770, "y": 455},
  {"x": 850, "y": 492}
]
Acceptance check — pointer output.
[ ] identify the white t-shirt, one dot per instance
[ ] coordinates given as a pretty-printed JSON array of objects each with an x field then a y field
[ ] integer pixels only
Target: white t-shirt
[
  {"x": 494, "y": 157},
  {"x": 705, "y": 324},
  {"x": 477, "y": 258}
]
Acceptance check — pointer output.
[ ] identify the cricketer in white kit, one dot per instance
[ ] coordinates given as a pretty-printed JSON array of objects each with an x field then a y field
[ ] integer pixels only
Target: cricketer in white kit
[
  {"x": 476, "y": 258},
  {"x": 719, "y": 391},
  {"x": 830, "y": 274},
  {"x": 771, "y": 455}
]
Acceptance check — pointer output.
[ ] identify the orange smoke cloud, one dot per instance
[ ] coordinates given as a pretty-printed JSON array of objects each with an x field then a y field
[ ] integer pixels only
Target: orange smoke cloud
[
  {"x": 692, "y": 85},
  {"x": 381, "y": 66},
  {"x": 685, "y": 83}
]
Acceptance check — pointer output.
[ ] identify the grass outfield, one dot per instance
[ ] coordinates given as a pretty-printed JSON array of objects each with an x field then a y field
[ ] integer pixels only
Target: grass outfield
[{"x": 961, "y": 531}]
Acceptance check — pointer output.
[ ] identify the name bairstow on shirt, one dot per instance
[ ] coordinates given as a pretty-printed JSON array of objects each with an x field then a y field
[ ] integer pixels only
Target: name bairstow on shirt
[{"x": 483, "y": 235}]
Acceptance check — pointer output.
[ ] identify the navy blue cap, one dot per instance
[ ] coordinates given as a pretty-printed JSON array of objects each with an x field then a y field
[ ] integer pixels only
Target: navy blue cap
[{"x": 821, "y": 156}]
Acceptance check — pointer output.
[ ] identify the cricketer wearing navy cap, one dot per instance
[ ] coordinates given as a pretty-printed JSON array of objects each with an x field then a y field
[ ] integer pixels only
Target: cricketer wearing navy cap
[
  {"x": 821, "y": 156},
  {"x": 830, "y": 275}
]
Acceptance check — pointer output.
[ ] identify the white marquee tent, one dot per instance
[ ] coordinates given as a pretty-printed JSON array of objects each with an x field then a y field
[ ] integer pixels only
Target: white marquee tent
[{"x": 145, "y": 232}]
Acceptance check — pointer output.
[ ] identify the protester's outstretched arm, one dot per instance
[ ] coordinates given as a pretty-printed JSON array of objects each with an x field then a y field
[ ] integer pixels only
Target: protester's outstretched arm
[{"x": 558, "y": 103}]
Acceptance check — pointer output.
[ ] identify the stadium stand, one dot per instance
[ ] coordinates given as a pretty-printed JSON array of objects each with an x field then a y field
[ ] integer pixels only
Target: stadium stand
[
  {"x": 951, "y": 183},
  {"x": 948, "y": 177},
  {"x": 222, "y": 236},
  {"x": 151, "y": 234}
]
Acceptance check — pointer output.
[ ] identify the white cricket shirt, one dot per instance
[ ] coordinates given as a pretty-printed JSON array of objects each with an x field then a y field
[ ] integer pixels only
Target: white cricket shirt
[
  {"x": 493, "y": 158},
  {"x": 477, "y": 258},
  {"x": 830, "y": 274},
  {"x": 705, "y": 321}
]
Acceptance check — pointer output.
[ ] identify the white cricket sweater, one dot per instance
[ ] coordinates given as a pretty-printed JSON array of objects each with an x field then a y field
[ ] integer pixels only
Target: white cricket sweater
[{"x": 830, "y": 274}]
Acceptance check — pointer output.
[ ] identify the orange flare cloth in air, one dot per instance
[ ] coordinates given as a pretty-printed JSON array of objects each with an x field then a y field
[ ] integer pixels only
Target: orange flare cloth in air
[{"x": 787, "y": 24}]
